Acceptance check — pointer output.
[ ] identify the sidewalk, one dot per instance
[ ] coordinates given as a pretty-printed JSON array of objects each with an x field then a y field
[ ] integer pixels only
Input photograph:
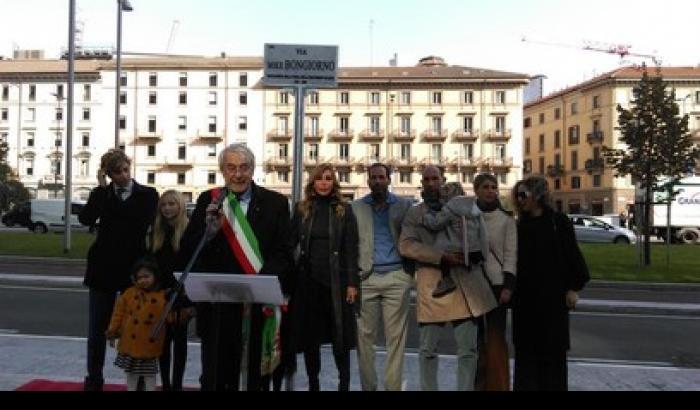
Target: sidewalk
[{"x": 26, "y": 358}]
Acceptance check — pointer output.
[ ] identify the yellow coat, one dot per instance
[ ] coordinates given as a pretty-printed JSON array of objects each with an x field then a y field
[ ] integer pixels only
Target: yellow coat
[{"x": 136, "y": 313}]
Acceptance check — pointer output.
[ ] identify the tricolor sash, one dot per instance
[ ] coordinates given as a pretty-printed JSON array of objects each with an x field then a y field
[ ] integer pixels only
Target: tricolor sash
[{"x": 244, "y": 245}]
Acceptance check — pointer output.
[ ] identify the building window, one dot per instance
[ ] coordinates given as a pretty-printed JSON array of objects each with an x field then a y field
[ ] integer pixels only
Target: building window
[
  {"x": 151, "y": 124},
  {"x": 574, "y": 108},
  {"x": 56, "y": 166},
  {"x": 468, "y": 97},
  {"x": 283, "y": 98},
  {"x": 527, "y": 166},
  {"x": 500, "y": 97},
  {"x": 31, "y": 114},
  {"x": 527, "y": 122},
  {"x": 405, "y": 177},
  {"x": 313, "y": 152},
  {"x": 122, "y": 98},
  {"x": 574, "y": 160},
  {"x": 436, "y": 153},
  {"x": 313, "y": 98},
  {"x": 32, "y": 92},
  {"x": 151, "y": 150},
  {"x": 344, "y": 177},
  {"x": 574, "y": 135},
  {"x": 151, "y": 178},
  {"x": 557, "y": 184},
  {"x": 468, "y": 151},
  {"x": 541, "y": 143},
  {"x": 182, "y": 123},
  {"x": 344, "y": 124},
  {"x": 181, "y": 178},
  {"x": 500, "y": 150},
  {"x": 575, "y": 182},
  {"x": 242, "y": 123},
  {"x": 405, "y": 151},
  {"x": 527, "y": 146},
  {"x": 59, "y": 91},
  {"x": 29, "y": 163},
  {"x": 123, "y": 81},
  {"x": 243, "y": 79},
  {"x": 503, "y": 177},
  {"x": 500, "y": 124},
  {"x": 344, "y": 151},
  {"x": 405, "y": 98},
  {"x": 86, "y": 139},
  {"x": 282, "y": 125},
  {"x": 557, "y": 160},
  {"x": 211, "y": 178},
  {"x": 152, "y": 98},
  {"x": 436, "y": 125},
  {"x": 183, "y": 79},
  {"x": 59, "y": 140},
  {"x": 183, "y": 98},
  {"x": 84, "y": 168},
  {"x": 283, "y": 176},
  {"x": 314, "y": 128},
  {"x": 596, "y": 101},
  {"x": 405, "y": 125},
  {"x": 212, "y": 124},
  {"x": 153, "y": 79},
  {"x": 30, "y": 139},
  {"x": 4, "y": 114},
  {"x": 542, "y": 118},
  {"x": 345, "y": 98},
  {"x": 182, "y": 151},
  {"x": 59, "y": 114},
  {"x": 213, "y": 79},
  {"x": 243, "y": 98},
  {"x": 557, "y": 139},
  {"x": 212, "y": 98},
  {"x": 596, "y": 180},
  {"x": 5, "y": 92},
  {"x": 3, "y": 137},
  {"x": 374, "y": 150},
  {"x": 541, "y": 166},
  {"x": 86, "y": 114},
  {"x": 467, "y": 124},
  {"x": 87, "y": 92},
  {"x": 374, "y": 98},
  {"x": 437, "y": 98},
  {"x": 212, "y": 151},
  {"x": 557, "y": 113},
  {"x": 374, "y": 127},
  {"x": 122, "y": 122}
]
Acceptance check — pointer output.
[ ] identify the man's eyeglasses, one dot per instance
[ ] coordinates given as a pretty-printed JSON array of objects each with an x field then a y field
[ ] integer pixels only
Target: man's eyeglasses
[{"x": 242, "y": 169}]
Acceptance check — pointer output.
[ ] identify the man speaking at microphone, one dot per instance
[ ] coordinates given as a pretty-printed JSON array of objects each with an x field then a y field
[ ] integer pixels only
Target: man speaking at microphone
[{"x": 249, "y": 230}]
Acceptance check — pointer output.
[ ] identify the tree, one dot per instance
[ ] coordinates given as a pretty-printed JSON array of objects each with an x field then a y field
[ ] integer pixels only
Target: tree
[
  {"x": 12, "y": 191},
  {"x": 659, "y": 148}
]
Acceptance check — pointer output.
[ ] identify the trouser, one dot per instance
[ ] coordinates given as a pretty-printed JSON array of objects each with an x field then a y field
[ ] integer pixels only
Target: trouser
[
  {"x": 493, "y": 369},
  {"x": 175, "y": 337},
  {"x": 140, "y": 382},
  {"x": 101, "y": 304},
  {"x": 385, "y": 295},
  {"x": 312, "y": 359},
  {"x": 537, "y": 371},
  {"x": 465, "y": 334}
]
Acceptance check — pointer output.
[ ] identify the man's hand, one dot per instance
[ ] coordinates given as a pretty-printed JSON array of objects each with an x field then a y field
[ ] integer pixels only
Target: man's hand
[
  {"x": 453, "y": 259},
  {"x": 214, "y": 216},
  {"x": 571, "y": 299},
  {"x": 505, "y": 296},
  {"x": 101, "y": 178},
  {"x": 351, "y": 294}
]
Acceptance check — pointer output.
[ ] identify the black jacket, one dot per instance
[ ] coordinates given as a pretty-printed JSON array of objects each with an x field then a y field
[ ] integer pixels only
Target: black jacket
[
  {"x": 121, "y": 237},
  {"x": 549, "y": 265}
]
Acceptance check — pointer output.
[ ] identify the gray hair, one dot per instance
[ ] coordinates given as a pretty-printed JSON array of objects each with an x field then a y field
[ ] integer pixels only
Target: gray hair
[{"x": 239, "y": 149}]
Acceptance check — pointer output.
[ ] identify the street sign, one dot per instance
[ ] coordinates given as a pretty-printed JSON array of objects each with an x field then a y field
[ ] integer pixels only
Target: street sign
[{"x": 289, "y": 65}]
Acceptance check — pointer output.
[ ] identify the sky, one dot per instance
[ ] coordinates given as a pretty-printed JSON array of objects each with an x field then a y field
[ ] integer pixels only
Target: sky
[{"x": 484, "y": 34}]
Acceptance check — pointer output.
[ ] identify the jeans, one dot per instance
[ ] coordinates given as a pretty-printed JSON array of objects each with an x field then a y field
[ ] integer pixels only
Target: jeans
[
  {"x": 101, "y": 304},
  {"x": 465, "y": 333}
]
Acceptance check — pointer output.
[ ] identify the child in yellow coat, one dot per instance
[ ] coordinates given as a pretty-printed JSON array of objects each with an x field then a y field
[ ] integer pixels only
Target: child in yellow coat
[{"x": 136, "y": 312}]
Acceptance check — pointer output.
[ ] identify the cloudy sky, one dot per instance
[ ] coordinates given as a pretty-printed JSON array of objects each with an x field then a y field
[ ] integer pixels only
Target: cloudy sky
[{"x": 464, "y": 32}]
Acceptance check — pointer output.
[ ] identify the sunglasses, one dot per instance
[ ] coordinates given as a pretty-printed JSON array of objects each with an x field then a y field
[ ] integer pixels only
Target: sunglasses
[{"x": 523, "y": 195}]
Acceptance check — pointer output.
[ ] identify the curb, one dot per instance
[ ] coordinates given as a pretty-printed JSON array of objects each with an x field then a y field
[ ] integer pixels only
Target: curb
[
  {"x": 638, "y": 308},
  {"x": 649, "y": 286},
  {"x": 30, "y": 260}
]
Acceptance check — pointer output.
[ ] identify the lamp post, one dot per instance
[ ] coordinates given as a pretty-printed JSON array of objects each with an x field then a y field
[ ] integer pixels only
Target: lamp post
[{"x": 122, "y": 5}]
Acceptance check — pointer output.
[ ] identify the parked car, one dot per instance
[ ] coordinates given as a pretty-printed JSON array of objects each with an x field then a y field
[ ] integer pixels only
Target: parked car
[
  {"x": 17, "y": 216},
  {"x": 49, "y": 215},
  {"x": 591, "y": 229}
]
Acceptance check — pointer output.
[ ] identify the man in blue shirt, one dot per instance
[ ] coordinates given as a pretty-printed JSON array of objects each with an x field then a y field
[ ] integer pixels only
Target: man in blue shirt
[{"x": 386, "y": 278}]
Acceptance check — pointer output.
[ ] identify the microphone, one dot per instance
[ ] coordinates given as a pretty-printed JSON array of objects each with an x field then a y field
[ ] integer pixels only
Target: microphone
[{"x": 213, "y": 216}]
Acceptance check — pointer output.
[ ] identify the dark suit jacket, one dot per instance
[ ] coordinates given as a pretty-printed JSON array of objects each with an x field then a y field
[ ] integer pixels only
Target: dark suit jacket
[{"x": 121, "y": 237}]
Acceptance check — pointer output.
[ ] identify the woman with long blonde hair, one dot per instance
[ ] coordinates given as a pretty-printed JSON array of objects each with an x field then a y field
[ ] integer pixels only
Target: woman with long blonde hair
[
  {"x": 326, "y": 280},
  {"x": 164, "y": 243}
]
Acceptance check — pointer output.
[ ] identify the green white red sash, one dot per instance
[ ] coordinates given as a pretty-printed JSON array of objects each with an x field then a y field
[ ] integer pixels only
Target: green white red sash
[{"x": 246, "y": 249}]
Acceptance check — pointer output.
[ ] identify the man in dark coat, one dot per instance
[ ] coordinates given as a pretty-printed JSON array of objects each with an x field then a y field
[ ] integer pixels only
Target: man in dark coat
[
  {"x": 124, "y": 210},
  {"x": 219, "y": 325}
]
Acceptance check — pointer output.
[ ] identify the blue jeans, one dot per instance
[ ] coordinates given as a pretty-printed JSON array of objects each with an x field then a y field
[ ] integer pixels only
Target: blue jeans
[{"x": 101, "y": 306}]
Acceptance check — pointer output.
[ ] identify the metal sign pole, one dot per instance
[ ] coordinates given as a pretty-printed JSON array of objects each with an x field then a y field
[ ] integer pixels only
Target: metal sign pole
[{"x": 297, "y": 180}]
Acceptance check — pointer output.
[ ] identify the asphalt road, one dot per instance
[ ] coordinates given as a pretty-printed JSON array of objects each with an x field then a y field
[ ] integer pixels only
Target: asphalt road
[{"x": 61, "y": 311}]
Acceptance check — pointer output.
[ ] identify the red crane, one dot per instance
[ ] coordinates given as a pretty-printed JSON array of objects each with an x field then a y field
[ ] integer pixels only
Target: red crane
[{"x": 623, "y": 50}]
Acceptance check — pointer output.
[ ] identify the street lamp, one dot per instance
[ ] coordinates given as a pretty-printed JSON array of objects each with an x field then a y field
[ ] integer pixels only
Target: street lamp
[{"x": 122, "y": 5}]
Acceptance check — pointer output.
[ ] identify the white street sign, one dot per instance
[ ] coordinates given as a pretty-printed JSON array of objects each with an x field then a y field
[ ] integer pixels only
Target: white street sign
[{"x": 289, "y": 65}]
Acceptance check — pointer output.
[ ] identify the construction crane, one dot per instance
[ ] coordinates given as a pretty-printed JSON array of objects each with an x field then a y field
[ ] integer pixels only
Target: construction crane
[
  {"x": 623, "y": 50},
  {"x": 173, "y": 32}
]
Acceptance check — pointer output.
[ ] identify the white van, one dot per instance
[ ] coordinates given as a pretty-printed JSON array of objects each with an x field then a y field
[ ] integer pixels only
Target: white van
[{"x": 48, "y": 215}]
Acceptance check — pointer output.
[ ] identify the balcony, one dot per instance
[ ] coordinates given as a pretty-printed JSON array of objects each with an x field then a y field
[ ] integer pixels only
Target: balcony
[
  {"x": 371, "y": 136},
  {"x": 555, "y": 171},
  {"x": 52, "y": 179},
  {"x": 403, "y": 136},
  {"x": 365, "y": 162},
  {"x": 175, "y": 164},
  {"x": 465, "y": 135},
  {"x": 313, "y": 162},
  {"x": 343, "y": 162},
  {"x": 404, "y": 162},
  {"x": 148, "y": 138},
  {"x": 434, "y": 135},
  {"x": 499, "y": 135},
  {"x": 439, "y": 161},
  {"x": 595, "y": 166},
  {"x": 278, "y": 163},
  {"x": 595, "y": 137},
  {"x": 279, "y": 135},
  {"x": 464, "y": 163},
  {"x": 338, "y": 135},
  {"x": 498, "y": 163},
  {"x": 313, "y": 135}
]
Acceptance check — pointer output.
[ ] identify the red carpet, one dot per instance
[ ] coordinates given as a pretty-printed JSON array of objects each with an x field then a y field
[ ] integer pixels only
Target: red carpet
[{"x": 52, "y": 385}]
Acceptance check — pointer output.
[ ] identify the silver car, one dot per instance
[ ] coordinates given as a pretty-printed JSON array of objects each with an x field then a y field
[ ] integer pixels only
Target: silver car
[{"x": 590, "y": 229}]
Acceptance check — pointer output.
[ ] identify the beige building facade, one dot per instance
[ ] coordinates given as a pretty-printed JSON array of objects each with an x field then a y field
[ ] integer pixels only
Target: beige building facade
[
  {"x": 466, "y": 120},
  {"x": 564, "y": 135}
]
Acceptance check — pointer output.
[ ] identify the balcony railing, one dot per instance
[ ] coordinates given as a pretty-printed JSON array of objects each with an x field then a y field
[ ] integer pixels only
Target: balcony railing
[
  {"x": 312, "y": 162},
  {"x": 365, "y": 162},
  {"x": 404, "y": 162},
  {"x": 434, "y": 135},
  {"x": 434, "y": 161},
  {"x": 462, "y": 162},
  {"x": 278, "y": 162},
  {"x": 371, "y": 136},
  {"x": 499, "y": 135},
  {"x": 555, "y": 171},
  {"x": 595, "y": 137},
  {"x": 208, "y": 137},
  {"x": 465, "y": 136},
  {"x": 148, "y": 137},
  {"x": 341, "y": 161},
  {"x": 341, "y": 135},
  {"x": 52, "y": 179},
  {"x": 498, "y": 162},
  {"x": 595, "y": 165},
  {"x": 313, "y": 135},
  {"x": 399, "y": 135},
  {"x": 279, "y": 135},
  {"x": 175, "y": 163}
]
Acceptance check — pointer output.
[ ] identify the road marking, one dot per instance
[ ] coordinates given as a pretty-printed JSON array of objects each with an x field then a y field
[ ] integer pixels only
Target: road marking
[
  {"x": 45, "y": 289},
  {"x": 635, "y": 315},
  {"x": 14, "y": 333},
  {"x": 40, "y": 278},
  {"x": 8, "y": 331}
]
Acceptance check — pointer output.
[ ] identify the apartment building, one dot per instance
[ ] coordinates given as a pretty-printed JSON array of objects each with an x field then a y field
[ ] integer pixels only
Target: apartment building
[
  {"x": 564, "y": 134},
  {"x": 465, "y": 120}
]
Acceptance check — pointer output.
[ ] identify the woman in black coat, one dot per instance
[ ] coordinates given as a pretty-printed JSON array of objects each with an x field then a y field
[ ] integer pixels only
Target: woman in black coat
[
  {"x": 551, "y": 272},
  {"x": 325, "y": 287}
]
